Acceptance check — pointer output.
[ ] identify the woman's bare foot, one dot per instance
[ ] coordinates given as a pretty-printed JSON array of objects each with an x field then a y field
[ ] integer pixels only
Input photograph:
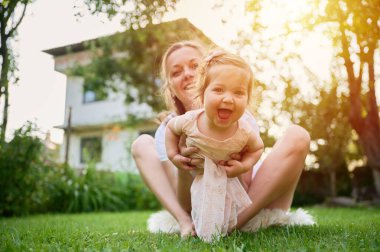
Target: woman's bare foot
[{"x": 187, "y": 228}]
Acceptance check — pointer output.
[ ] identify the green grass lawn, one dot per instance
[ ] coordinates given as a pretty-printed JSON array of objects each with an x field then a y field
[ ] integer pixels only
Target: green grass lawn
[{"x": 337, "y": 230}]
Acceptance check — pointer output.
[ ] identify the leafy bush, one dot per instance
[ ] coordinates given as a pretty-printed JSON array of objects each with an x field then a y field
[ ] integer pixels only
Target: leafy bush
[
  {"x": 30, "y": 184},
  {"x": 363, "y": 184},
  {"x": 314, "y": 186},
  {"x": 93, "y": 190},
  {"x": 21, "y": 173},
  {"x": 138, "y": 196}
]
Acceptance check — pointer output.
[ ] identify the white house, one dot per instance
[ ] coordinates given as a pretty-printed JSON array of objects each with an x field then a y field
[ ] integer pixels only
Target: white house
[
  {"x": 96, "y": 130},
  {"x": 94, "y": 125}
]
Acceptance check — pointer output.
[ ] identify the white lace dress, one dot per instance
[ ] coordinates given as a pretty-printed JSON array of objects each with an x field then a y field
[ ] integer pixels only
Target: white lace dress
[{"x": 216, "y": 200}]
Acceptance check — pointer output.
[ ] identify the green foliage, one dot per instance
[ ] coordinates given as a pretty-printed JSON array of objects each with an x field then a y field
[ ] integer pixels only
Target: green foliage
[
  {"x": 95, "y": 190},
  {"x": 327, "y": 122},
  {"x": 133, "y": 13},
  {"x": 352, "y": 29},
  {"x": 325, "y": 118},
  {"x": 30, "y": 184},
  {"x": 314, "y": 186},
  {"x": 137, "y": 194},
  {"x": 363, "y": 184},
  {"x": 21, "y": 173},
  {"x": 133, "y": 58}
]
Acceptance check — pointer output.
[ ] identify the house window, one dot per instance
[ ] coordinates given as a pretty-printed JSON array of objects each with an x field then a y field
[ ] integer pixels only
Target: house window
[
  {"x": 90, "y": 149},
  {"x": 92, "y": 95},
  {"x": 148, "y": 132}
]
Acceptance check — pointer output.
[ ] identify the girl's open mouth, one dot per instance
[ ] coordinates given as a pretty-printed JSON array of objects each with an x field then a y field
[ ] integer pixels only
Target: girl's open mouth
[{"x": 224, "y": 114}]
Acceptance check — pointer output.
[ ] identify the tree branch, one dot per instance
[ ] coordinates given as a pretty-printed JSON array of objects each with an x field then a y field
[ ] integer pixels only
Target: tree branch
[
  {"x": 9, "y": 10},
  {"x": 10, "y": 33},
  {"x": 373, "y": 111},
  {"x": 355, "y": 115}
]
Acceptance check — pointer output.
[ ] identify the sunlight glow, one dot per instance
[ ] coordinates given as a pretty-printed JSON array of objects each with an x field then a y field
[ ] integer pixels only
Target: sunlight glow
[{"x": 40, "y": 93}]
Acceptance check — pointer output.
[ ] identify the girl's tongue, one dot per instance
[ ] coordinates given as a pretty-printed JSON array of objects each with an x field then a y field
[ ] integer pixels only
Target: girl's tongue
[{"x": 224, "y": 114}]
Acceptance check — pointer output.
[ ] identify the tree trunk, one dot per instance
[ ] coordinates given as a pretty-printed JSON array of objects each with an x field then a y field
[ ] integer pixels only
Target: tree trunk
[
  {"x": 332, "y": 183},
  {"x": 4, "y": 86},
  {"x": 376, "y": 180},
  {"x": 5, "y": 114},
  {"x": 363, "y": 119},
  {"x": 371, "y": 145}
]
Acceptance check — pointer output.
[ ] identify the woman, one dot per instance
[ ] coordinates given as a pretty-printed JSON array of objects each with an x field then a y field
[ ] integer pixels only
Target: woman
[{"x": 272, "y": 186}]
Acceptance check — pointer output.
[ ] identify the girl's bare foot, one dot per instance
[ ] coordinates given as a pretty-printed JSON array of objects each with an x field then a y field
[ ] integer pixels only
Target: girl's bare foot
[{"x": 187, "y": 228}]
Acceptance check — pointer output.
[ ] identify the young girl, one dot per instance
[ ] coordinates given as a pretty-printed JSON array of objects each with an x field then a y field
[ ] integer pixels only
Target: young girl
[{"x": 224, "y": 88}]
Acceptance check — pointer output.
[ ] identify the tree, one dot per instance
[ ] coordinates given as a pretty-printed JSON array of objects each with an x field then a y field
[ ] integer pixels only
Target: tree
[
  {"x": 354, "y": 29},
  {"x": 328, "y": 125},
  {"x": 132, "y": 13},
  {"x": 10, "y": 20}
]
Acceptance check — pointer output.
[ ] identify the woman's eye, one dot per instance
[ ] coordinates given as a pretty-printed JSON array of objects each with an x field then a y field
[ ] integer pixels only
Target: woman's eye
[
  {"x": 176, "y": 73},
  {"x": 194, "y": 66}
]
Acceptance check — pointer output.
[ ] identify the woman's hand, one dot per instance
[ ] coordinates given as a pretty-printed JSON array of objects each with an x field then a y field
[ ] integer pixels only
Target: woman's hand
[
  {"x": 238, "y": 156},
  {"x": 183, "y": 160},
  {"x": 233, "y": 168}
]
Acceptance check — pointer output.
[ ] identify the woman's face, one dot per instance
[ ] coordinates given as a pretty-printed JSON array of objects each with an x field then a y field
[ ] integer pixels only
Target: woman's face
[{"x": 181, "y": 67}]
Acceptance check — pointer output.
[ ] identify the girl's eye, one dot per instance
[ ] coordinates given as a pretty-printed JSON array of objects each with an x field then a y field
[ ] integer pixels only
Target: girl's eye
[
  {"x": 240, "y": 93},
  {"x": 218, "y": 90}
]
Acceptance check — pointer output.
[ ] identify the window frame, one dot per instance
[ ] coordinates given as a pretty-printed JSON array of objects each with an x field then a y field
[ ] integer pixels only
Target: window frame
[{"x": 97, "y": 159}]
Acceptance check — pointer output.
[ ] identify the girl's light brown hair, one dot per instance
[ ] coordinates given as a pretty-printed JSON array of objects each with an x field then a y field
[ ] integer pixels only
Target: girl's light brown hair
[
  {"x": 173, "y": 103},
  {"x": 221, "y": 57}
]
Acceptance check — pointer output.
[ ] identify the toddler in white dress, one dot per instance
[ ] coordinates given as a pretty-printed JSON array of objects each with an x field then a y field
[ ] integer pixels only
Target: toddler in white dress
[{"x": 217, "y": 196}]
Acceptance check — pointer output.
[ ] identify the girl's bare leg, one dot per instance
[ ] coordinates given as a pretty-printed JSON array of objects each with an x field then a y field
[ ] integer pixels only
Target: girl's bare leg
[
  {"x": 276, "y": 180},
  {"x": 161, "y": 180}
]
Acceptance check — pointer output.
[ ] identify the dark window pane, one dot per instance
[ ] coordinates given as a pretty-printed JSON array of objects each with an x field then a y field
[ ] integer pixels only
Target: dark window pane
[
  {"x": 148, "y": 132},
  {"x": 91, "y": 95},
  {"x": 90, "y": 149}
]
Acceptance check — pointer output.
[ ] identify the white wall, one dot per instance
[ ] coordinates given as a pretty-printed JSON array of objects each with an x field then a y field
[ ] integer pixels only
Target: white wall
[
  {"x": 116, "y": 155},
  {"x": 94, "y": 113}
]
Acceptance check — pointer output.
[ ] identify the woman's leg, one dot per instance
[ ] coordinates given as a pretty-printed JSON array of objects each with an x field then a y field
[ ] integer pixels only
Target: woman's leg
[
  {"x": 275, "y": 182},
  {"x": 185, "y": 180},
  {"x": 161, "y": 180}
]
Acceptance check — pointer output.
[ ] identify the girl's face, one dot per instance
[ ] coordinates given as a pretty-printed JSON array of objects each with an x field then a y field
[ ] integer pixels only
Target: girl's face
[
  {"x": 181, "y": 66},
  {"x": 226, "y": 96}
]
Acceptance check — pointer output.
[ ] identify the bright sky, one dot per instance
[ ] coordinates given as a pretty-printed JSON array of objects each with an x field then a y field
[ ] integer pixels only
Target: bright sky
[{"x": 40, "y": 93}]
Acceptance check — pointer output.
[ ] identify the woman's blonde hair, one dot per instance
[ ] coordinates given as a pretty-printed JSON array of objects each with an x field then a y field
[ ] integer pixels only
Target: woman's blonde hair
[
  {"x": 173, "y": 103},
  {"x": 221, "y": 57}
]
